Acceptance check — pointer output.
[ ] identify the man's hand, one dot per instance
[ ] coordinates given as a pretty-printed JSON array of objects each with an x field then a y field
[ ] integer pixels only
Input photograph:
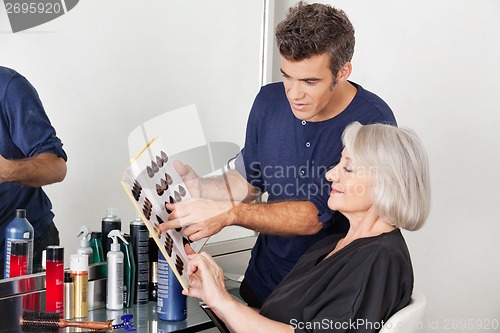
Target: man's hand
[
  {"x": 189, "y": 177},
  {"x": 40, "y": 170},
  {"x": 200, "y": 217},
  {"x": 5, "y": 169}
]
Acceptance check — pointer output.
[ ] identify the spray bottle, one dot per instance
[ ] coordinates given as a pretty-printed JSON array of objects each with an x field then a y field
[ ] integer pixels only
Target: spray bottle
[
  {"x": 114, "y": 283},
  {"x": 84, "y": 244},
  {"x": 108, "y": 223}
]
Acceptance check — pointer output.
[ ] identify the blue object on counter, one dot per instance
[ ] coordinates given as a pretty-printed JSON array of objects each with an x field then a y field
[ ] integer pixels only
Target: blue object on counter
[
  {"x": 126, "y": 323},
  {"x": 172, "y": 304}
]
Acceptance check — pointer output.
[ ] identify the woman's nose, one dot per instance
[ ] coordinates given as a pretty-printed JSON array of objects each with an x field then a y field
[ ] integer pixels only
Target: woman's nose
[{"x": 333, "y": 175}]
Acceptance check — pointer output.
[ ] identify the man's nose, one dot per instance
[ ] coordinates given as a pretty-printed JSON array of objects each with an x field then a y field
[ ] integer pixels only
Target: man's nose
[{"x": 295, "y": 91}]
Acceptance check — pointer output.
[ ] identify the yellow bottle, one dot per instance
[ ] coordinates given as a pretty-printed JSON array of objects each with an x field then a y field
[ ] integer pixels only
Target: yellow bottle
[{"x": 79, "y": 268}]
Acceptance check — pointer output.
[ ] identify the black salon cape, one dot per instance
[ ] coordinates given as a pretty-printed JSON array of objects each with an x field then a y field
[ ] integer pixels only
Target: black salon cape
[{"x": 355, "y": 290}]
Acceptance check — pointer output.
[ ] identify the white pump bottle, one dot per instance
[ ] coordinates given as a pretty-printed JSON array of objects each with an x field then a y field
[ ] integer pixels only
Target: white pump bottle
[
  {"x": 84, "y": 244},
  {"x": 114, "y": 284}
]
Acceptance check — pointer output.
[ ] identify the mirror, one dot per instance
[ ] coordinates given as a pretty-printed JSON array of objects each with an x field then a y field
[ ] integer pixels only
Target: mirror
[{"x": 104, "y": 68}]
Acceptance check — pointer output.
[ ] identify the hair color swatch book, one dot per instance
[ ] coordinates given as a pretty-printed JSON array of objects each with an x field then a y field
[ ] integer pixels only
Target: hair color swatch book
[{"x": 150, "y": 182}]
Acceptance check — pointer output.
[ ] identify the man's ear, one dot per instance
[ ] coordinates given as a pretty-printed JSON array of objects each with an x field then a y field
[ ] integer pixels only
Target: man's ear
[{"x": 344, "y": 72}]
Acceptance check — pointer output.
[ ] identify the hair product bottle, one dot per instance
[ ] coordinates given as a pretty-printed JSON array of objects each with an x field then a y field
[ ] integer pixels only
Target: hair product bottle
[
  {"x": 108, "y": 223},
  {"x": 153, "y": 270},
  {"x": 114, "y": 283},
  {"x": 140, "y": 246},
  {"x": 54, "y": 281},
  {"x": 172, "y": 304},
  {"x": 96, "y": 244},
  {"x": 84, "y": 247},
  {"x": 69, "y": 296},
  {"x": 18, "y": 258},
  {"x": 128, "y": 272},
  {"x": 18, "y": 229},
  {"x": 79, "y": 267}
]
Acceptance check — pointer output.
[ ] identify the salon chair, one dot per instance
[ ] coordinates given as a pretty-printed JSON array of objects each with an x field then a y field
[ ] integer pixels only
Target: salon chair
[{"x": 409, "y": 318}]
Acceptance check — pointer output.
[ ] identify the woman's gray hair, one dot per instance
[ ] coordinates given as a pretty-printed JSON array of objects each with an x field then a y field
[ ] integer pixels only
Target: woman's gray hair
[{"x": 398, "y": 162}]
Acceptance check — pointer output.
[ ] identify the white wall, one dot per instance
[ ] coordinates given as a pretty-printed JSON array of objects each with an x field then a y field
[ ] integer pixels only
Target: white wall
[
  {"x": 436, "y": 63},
  {"x": 105, "y": 67}
]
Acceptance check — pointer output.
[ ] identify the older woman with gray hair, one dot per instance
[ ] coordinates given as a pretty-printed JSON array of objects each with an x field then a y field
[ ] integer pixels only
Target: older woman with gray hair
[{"x": 351, "y": 282}]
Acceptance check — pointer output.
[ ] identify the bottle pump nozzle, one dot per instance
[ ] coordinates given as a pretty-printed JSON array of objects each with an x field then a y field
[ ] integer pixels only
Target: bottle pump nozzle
[
  {"x": 114, "y": 234},
  {"x": 85, "y": 233},
  {"x": 138, "y": 217},
  {"x": 110, "y": 212}
]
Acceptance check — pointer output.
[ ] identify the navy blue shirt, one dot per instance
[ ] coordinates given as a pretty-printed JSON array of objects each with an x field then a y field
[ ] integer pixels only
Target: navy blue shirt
[
  {"x": 25, "y": 131},
  {"x": 288, "y": 158}
]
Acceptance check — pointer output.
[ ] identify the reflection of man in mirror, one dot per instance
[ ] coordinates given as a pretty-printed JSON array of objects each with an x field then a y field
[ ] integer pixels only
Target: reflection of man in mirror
[
  {"x": 293, "y": 137},
  {"x": 31, "y": 156}
]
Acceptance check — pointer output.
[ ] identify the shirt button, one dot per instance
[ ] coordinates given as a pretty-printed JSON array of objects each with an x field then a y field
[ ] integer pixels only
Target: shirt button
[
  {"x": 304, "y": 122},
  {"x": 302, "y": 172},
  {"x": 308, "y": 144}
]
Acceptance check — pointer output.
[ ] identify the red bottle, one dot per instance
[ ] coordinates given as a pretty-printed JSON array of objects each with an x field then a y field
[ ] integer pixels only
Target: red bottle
[
  {"x": 54, "y": 279},
  {"x": 19, "y": 262},
  {"x": 19, "y": 258}
]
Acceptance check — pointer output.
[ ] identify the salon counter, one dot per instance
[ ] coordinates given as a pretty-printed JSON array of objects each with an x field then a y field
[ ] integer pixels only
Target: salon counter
[
  {"x": 145, "y": 318},
  {"x": 28, "y": 292}
]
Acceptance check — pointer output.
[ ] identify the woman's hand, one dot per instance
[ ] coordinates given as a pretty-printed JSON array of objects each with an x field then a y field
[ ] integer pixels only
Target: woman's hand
[{"x": 206, "y": 280}]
